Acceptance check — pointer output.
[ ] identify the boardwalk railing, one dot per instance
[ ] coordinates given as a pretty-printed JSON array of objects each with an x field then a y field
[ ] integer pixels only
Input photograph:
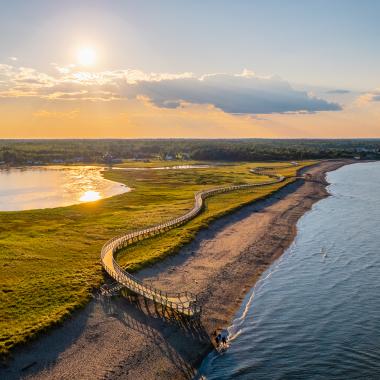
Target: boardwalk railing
[{"x": 183, "y": 302}]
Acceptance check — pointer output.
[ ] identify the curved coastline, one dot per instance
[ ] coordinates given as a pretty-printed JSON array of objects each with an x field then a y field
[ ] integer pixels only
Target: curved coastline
[
  {"x": 183, "y": 302},
  {"x": 117, "y": 340}
]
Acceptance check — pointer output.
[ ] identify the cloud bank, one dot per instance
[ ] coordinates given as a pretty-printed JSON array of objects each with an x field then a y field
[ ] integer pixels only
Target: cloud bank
[
  {"x": 235, "y": 94},
  {"x": 245, "y": 93},
  {"x": 373, "y": 96},
  {"x": 369, "y": 97}
]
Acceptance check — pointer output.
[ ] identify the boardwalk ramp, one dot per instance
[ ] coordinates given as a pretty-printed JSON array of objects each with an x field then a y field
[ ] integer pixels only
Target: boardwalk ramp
[{"x": 184, "y": 303}]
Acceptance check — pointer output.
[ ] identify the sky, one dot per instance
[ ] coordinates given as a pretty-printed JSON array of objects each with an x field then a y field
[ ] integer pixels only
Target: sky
[{"x": 200, "y": 68}]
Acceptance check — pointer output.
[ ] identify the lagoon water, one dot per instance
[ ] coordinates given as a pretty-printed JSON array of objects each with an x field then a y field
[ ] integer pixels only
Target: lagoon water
[
  {"x": 315, "y": 314},
  {"x": 45, "y": 187}
]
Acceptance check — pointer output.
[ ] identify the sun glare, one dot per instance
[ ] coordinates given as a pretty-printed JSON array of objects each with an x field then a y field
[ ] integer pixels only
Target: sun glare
[
  {"x": 90, "y": 196},
  {"x": 86, "y": 56}
]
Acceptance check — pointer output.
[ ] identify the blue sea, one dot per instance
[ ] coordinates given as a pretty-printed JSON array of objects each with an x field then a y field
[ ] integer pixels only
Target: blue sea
[{"x": 315, "y": 313}]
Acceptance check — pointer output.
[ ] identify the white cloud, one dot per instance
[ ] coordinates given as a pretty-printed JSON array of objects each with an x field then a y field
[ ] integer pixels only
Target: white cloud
[
  {"x": 236, "y": 94},
  {"x": 244, "y": 93},
  {"x": 371, "y": 96}
]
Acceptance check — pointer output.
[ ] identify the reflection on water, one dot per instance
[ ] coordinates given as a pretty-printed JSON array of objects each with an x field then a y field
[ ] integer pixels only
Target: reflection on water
[
  {"x": 315, "y": 314},
  {"x": 54, "y": 186},
  {"x": 90, "y": 196}
]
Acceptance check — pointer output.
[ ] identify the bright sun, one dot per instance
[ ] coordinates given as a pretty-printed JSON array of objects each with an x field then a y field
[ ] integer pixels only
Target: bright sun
[
  {"x": 86, "y": 56},
  {"x": 90, "y": 196}
]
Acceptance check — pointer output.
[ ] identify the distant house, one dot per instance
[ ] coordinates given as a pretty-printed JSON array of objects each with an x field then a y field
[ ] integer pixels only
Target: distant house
[{"x": 183, "y": 156}]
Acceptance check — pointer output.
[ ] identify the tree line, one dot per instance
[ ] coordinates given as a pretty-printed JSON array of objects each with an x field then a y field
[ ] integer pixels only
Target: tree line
[{"x": 35, "y": 152}]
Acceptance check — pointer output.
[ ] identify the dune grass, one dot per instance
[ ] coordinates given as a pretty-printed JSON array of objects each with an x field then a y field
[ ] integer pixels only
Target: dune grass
[{"x": 49, "y": 258}]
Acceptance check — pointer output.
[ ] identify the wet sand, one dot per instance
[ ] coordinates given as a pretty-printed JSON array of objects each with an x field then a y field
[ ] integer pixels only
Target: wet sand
[{"x": 127, "y": 338}]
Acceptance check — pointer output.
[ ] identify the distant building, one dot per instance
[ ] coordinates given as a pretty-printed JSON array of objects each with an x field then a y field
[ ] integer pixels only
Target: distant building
[{"x": 183, "y": 156}]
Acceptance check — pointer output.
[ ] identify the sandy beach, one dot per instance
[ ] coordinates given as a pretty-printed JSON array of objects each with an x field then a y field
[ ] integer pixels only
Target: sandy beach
[{"x": 127, "y": 338}]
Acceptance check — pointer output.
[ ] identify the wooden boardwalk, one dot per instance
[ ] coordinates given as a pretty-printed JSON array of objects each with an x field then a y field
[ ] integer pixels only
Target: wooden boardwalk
[{"x": 184, "y": 303}]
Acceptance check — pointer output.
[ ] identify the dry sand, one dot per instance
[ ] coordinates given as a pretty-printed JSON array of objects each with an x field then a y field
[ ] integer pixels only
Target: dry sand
[{"x": 119, "y": 338}]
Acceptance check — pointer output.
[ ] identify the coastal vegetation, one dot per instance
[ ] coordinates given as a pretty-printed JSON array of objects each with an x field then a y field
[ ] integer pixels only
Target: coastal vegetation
[
  {"x": 49, "y": 258},
  {"x": 37, "y": 152}
]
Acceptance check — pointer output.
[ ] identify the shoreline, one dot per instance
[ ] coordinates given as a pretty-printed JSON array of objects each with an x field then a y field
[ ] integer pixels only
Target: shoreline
[{"x": 239, "y": 245}]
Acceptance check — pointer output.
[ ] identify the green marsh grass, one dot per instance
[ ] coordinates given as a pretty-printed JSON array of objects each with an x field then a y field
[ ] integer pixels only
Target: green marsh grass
[{"x": 49, "y": 258}]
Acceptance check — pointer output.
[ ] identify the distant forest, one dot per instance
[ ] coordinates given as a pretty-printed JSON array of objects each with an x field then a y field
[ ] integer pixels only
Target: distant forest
[{"x": 37, "y": 152}]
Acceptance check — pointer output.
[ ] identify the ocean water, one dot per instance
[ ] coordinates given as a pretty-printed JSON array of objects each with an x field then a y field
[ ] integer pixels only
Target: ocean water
[
  {"x": 315, "y": 314},
  {"x": 53, "y": 186}
]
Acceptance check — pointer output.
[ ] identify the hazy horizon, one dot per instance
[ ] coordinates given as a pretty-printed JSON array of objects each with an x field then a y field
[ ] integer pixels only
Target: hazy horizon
[{"x": 204, "y": 69}]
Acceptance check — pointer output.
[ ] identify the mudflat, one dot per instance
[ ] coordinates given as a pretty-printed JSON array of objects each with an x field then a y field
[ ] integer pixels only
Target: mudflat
[{"x": 127, "y": 338}]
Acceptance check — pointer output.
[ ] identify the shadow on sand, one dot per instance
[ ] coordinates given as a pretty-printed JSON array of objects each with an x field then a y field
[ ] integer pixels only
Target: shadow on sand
[
  {"x": 176, "y": 336},
  {"x": 178, "y": 339},
  {"x": 43, "y": 352}
]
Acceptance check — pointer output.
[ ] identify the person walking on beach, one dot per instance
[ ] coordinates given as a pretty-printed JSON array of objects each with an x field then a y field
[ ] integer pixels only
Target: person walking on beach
[
  {"x": 218, "y": 339},
  {"x": 221, "y": 340},
  {"x": 224, "y": 335}
]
